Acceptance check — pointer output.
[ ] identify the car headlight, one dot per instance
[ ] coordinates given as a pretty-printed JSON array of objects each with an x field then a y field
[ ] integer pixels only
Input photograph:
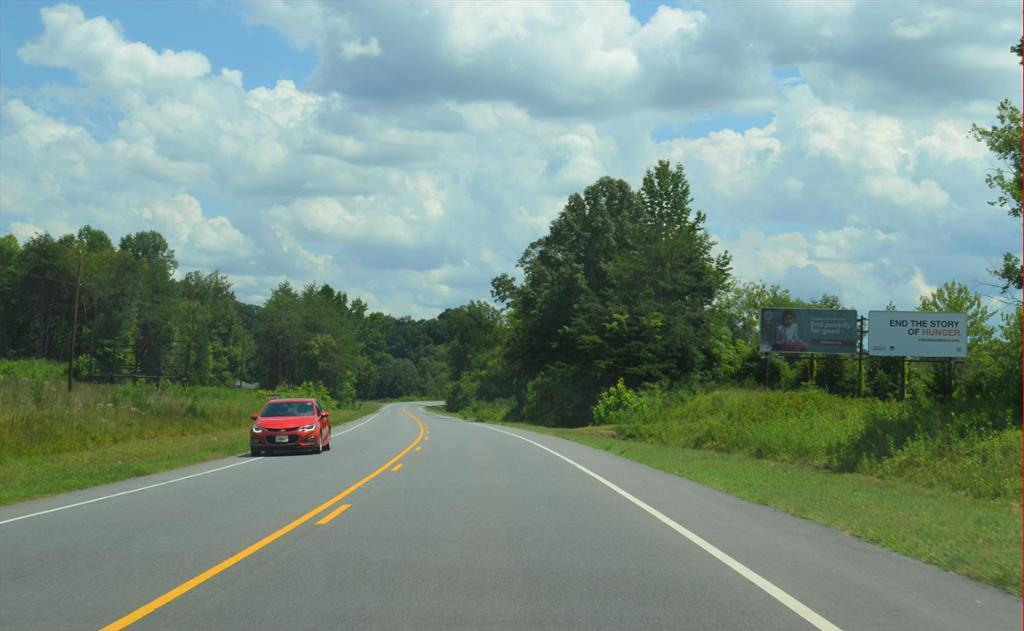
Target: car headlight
[
  {"x": 308, "y": 428},
  {"x": 256, "y": 429}
]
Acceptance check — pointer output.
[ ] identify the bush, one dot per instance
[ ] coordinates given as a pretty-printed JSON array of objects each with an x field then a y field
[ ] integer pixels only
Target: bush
[
  {"x": 33, "y": 369},
  {"x": 306, "y": 389},
  {"x": 974, "y": 450},
  {"x": 496, "y": 410},
  {"x": 559, "y": 397},
  {"x": 979, "y": 464},
  {"x": 618, "y": 404}
]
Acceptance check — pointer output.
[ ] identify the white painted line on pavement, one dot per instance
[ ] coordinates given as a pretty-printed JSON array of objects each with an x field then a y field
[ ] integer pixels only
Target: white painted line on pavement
[
  {"x": 144, "y": 488},
  {"x": 770, "y": 588},
  {"x": 166, "y": 482},
  {"x": 376, "y": 414}
]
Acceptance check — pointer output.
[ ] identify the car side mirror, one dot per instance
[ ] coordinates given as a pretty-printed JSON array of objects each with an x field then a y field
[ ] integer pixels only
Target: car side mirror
[
  {"x": 254, "y": 416},
  {"x": 324, "y": 415}
]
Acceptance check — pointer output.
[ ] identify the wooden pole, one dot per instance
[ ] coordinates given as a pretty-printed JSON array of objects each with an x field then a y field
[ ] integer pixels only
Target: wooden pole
[{"x": 74, "y": 322}]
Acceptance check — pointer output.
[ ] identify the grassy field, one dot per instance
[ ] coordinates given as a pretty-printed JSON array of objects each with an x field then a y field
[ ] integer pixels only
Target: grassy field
[
  {"x": 52, "y": 441},
  {"x": 915, "y": 480}
]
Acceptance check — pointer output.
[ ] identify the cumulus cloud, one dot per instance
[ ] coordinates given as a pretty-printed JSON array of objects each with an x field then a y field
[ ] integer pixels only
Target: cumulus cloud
[
  {"x": 893, "y": 57},
  {"x": 97, "y": 52},
  {"x": 434, "y": 141},
  {"x": 566, "y": 58}
]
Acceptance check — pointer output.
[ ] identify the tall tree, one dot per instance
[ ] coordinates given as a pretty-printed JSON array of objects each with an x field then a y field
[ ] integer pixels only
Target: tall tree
[
  {"x": 155, "y": 296},
  {"x": 209, "y": 329},
  {"x": 9, "y": 250},
  {"x": 1004, "y": 140},
  {"x": 956, "y": 297},
  {"x": 620, "y": 287},
  {"x": 43, "y": 278}
]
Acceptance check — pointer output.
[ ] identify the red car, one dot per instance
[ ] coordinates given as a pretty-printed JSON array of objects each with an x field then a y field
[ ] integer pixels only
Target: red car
[{"x": 290, "y": 425}]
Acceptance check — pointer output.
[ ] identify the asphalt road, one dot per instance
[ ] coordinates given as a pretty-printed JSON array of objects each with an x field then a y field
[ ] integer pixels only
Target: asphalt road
[{"x": 453, "y": 525}]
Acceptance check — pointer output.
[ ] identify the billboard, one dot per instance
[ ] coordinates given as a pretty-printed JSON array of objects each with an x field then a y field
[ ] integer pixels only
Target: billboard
[
  {"x": 786, "y": 330},
  {"x": 917, "y": 334}
]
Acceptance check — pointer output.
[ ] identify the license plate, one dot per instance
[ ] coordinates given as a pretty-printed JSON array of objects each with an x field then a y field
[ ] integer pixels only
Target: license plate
[{"x": 281, "y": 439}]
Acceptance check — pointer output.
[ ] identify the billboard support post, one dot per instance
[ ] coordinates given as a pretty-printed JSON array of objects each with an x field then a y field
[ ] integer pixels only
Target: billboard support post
[
  {"x": 949, "y": 378},
  {"x": 903, "y": 378},
  {"x": 860, "y": 355},
  {"x": 765, "y": 356}
]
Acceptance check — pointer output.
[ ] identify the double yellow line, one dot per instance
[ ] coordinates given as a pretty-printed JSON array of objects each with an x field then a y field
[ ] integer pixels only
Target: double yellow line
[{"x": 192, "y": 583}]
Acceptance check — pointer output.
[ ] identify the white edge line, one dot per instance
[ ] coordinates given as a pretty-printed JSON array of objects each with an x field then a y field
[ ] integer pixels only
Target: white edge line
[
  {"x": 345, "y": 431},
  {"x": 129, "y": 492},
  {"x": 166, "y": 482},
  {"x": 770, "y": 588}
]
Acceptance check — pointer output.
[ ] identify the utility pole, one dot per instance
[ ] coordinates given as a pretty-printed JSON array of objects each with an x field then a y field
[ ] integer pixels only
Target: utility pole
[{"x": 74, "y": 322}]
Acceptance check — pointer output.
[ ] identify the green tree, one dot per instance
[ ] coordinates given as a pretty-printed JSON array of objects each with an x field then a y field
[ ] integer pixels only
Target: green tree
[
  {"x": 209, "y": 329},
  {"x": 279, "y": 337},
  {"x": 155, "y": 297},
  {"x": 956, "y": 297},
  {"x": 9, "y": 249},
  {"x": 42, "y": 279},
  {"x": 309, "y": 336},
  {"x": 470, "y": 331},
  {"x": 1004, "y": 140},
  {"x": 110, "y": 301},
  {"x": 619, "y": 287},
  {"x": 884, "y": 373}
]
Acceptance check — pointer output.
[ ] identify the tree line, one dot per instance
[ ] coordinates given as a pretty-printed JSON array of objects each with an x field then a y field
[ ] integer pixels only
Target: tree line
[
  {"x": 624, "y": 287},
  {"x": 135, "y": 316}
]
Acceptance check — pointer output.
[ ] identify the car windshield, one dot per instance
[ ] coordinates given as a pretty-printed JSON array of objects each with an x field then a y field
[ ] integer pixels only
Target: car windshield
[{"x": 288, "y": 408}]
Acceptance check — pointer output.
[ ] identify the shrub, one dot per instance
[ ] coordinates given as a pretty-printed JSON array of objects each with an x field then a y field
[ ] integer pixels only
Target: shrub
[
  {"x": 307, "y": 389},
  {"x": 979, "y": 464},
  {"x": 617, "y": 405},
  {"x": 559, "y": 396}
]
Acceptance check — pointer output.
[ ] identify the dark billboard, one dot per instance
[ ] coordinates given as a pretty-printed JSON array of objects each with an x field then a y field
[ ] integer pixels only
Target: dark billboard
[{"x": 785, "y": 330}]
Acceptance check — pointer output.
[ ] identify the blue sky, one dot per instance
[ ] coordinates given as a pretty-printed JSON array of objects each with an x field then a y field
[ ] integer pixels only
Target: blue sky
[
  {"x": 217, "y": 29},
  {"x": 409, "y": 152}
]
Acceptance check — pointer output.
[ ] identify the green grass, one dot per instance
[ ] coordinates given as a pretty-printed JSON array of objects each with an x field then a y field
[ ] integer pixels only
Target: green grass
[
  {"x": 973, "y": 536},
  {"x": 52, "y": 441},
  {"x": 973, "y": 451},
  {"x": 33, "y": 369}
]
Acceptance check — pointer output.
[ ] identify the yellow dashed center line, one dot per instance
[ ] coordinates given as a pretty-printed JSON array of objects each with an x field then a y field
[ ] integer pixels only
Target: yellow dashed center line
[
  {"x": 334, "y": 513},
  {"x": 194, "y": 582},
  {"x": 396, "y": 468}
]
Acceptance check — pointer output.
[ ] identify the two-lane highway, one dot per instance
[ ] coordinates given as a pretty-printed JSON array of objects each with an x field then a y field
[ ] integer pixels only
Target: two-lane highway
[{"x": 419, "y": 521}]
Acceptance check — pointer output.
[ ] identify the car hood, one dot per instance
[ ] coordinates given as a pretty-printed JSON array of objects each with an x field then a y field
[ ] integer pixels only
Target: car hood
[{"x": 285, "y": 422}]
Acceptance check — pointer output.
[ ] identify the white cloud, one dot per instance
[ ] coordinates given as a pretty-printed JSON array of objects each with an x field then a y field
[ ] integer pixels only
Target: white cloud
[
  {"x": 97, "y": 52},
  {"x": 435, "y": 141},
  {"x": 354, "y": 49},
  {"x": 25, "y": 231},
  {"x": 566, "y": 57},
  {"x": 927, "y": 195}
]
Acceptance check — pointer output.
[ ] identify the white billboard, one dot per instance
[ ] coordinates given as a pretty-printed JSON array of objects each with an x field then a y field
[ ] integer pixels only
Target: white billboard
[{"x": 917, "y": 334}]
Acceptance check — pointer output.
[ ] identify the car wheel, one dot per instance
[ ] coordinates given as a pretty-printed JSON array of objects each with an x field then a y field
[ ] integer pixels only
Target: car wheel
[
  {"x": 254, "y": 451},
  {"x": 319, "y": 447},
  {"x": 327, "y": 447}
]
